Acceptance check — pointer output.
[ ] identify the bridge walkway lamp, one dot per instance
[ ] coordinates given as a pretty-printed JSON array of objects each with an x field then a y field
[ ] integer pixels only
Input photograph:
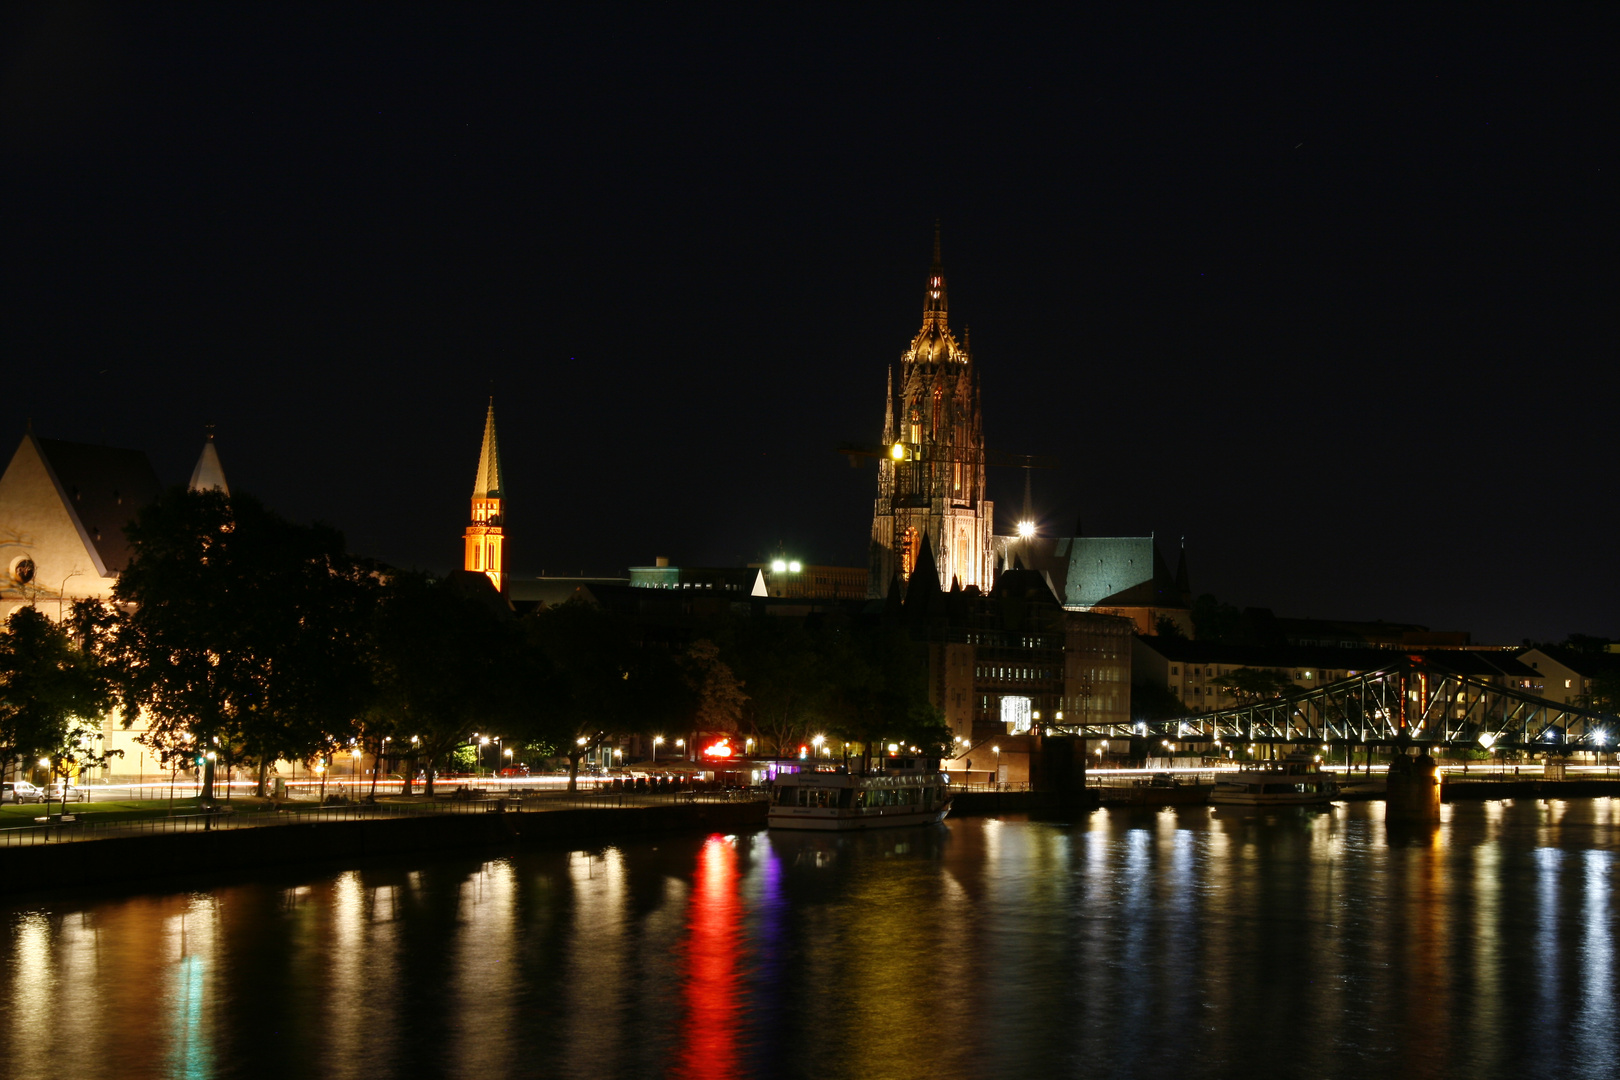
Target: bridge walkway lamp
[{"x": 658, "y": 740}]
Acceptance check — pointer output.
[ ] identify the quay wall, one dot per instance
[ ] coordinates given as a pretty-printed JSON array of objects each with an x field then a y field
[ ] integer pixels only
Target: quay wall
[
  {"x": 117, "y": 860},
  {"x": 991, "y": 803},
  {"x": 1528, "y": 788}
]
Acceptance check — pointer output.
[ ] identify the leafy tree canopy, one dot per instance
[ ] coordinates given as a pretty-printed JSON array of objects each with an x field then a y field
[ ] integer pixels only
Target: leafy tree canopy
[{"x": 53, "y": 694}]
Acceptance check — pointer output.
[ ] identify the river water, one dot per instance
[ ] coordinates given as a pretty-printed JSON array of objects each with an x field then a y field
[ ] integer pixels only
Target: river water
[{"x": 1182, "y": 943}]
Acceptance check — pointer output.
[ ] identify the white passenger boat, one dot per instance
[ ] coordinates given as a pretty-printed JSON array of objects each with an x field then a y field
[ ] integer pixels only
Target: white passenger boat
[
  {"x": 905, "y": 791},
  {"x": 1297, "y": 780}
]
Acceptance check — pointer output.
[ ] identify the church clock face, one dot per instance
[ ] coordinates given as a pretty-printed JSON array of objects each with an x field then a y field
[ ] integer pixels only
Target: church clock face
[{"x": 22, "y": 570}]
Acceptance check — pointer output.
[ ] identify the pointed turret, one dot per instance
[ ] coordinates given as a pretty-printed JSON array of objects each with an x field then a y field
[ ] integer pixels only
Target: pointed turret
[
  {"x": 923, "y": 592},
  {"x": 484, "y": 541},
  {"x": 488, "y": 484},
  {"x": 209, "y": 475},
  {"x": 935, "y": 308},
  {"x": 1183, "y": 582}
]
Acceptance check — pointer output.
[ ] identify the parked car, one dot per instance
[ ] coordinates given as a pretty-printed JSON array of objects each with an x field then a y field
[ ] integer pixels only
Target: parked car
[
  {"x": 75, "y": 793},
  {"x": 20, "y": 791}
]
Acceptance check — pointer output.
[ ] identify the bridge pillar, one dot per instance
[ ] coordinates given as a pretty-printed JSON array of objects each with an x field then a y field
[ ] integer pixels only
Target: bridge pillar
[{"x": 1413, "y": 790}]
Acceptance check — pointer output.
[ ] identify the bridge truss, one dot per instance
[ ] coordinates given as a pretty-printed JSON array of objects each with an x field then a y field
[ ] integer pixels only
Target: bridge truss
[{"x": 1408, "y": 701}]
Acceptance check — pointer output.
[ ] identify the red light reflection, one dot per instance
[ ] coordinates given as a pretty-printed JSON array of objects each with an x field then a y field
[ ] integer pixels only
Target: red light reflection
[{"x": 709, "y": 975}]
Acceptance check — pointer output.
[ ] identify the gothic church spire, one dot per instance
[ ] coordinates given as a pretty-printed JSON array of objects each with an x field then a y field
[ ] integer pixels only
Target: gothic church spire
[
  {"x": 484, "y": 540},
  {"x": 488, "y": 484}
]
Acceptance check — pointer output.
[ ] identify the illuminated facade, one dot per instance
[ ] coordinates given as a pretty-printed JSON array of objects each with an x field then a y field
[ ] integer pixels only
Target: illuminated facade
[
  {"x": 63, "y": 508},
  {"x": 931, "y": 481},
  {"x": 484, "y": 540}
]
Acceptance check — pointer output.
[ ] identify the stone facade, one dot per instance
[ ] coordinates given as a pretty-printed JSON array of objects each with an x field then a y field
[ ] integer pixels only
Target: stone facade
[{"x": 931, "y": 480}]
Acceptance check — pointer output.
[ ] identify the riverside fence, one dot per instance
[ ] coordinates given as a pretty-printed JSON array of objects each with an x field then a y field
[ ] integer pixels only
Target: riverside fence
[{"x": 76, "y": 828}]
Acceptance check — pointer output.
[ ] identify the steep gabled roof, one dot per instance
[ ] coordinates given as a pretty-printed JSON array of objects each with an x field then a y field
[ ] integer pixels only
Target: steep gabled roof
[
  {"x": 1117, "y": 570},
  {"x": 103, "y": 488}
]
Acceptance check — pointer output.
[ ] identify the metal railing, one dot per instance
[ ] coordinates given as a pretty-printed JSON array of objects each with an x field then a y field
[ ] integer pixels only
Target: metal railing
[{"x": 470, "y": 801}]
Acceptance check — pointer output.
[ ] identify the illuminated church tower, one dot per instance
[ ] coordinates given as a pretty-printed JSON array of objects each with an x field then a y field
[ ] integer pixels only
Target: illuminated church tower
[
  {"x": 484, "y": 539},
  {"x": 931, "y": 480}
]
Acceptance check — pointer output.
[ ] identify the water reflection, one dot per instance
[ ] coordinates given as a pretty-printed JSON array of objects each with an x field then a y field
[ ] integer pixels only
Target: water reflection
[
  {"x": 711, "y": 965},
  {"x": 1183, "y": 943}
]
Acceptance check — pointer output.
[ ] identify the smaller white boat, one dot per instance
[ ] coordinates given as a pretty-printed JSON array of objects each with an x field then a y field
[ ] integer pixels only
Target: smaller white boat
[
  {"x": 1297, "y": 780},
  {"x": 906, "y": 791}
]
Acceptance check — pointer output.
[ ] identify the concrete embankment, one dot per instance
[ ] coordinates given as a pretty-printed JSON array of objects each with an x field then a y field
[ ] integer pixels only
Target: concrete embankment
[
  {"x": 1528, "y": 788},
  {"x": 120, "y": 859}
]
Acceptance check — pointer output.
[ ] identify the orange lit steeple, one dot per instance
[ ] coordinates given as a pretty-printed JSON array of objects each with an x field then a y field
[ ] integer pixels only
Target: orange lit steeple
[{"x": 483, "y": 538}]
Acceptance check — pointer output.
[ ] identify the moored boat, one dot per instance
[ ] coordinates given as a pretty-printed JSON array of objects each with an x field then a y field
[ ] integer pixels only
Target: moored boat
[
  {"x": 1161, "y": 789},
  {"x": 906, "y": 791},
  {"x": 1297, "y": 780}
]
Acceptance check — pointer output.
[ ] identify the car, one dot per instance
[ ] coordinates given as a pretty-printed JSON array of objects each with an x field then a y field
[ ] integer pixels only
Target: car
[
  {"x": 75, "y": 793},
  {"x": 20, "y": 791}
]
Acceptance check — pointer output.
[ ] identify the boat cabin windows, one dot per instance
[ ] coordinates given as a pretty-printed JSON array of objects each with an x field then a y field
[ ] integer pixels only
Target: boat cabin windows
[
  {"x": 825, "y": 798},
  {"x": 889, "y": 797}
]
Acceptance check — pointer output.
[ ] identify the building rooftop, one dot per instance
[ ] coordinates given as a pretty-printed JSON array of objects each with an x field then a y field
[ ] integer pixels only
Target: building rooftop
[{"x": 104, "y": 487}]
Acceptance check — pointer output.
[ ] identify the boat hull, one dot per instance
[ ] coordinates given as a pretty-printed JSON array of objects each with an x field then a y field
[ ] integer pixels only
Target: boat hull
[
  {"x": 1248, "y": 798},
  {"x": 1181, "y": 795},
  {"x": 818, "y": 819}
]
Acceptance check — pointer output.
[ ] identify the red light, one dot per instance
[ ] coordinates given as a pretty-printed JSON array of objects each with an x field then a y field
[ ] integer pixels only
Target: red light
[{"x": 719, "y": 749}]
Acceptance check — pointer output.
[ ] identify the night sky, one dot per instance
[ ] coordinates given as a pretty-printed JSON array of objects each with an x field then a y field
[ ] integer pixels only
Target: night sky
[{"x": 1333, "y": 299}]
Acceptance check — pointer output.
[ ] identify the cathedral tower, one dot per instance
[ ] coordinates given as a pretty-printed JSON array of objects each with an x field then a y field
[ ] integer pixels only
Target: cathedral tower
[
  {"x": 483, "y": 537},
  {"x": 931, "y": 480}
]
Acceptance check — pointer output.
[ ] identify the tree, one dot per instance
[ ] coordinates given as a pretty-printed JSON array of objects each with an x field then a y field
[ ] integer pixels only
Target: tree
[
  {"x": 878, "y": 683},
  {"x": 1166, "y": 627},
  {"x": 53, "y": 694},
  {"x": 235, "y": 632},
  {"x": 1249, "y": 685},
  {"x": 1152, "y": 700},
  {"x": 717, "y": 694},
  {"x": 785, "y": 667},
  {"x": 601, "y": 680},
  {"x": 446, "y": 662}
]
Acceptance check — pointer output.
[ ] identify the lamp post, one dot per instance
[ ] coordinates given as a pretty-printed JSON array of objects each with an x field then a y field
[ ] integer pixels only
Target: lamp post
[
  {"x": 657, "y": 742},
  {"x": 482, "y": 742},
  {"x": 997, "y": 751}
]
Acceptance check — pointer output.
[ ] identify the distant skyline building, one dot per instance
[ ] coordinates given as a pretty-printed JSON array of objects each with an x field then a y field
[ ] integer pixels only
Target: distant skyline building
[
  {"x": 1111, "y": 575},
  {"x": 931, "y": 480},
  {"x": 484, "y": 539}
]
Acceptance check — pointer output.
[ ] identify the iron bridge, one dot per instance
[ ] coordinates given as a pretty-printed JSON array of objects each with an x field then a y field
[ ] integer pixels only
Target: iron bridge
[{"x": 1407, "y": 701}]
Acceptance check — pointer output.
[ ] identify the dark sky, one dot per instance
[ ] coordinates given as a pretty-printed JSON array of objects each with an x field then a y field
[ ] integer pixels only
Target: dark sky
[{"x": 1333, "y": 299}]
